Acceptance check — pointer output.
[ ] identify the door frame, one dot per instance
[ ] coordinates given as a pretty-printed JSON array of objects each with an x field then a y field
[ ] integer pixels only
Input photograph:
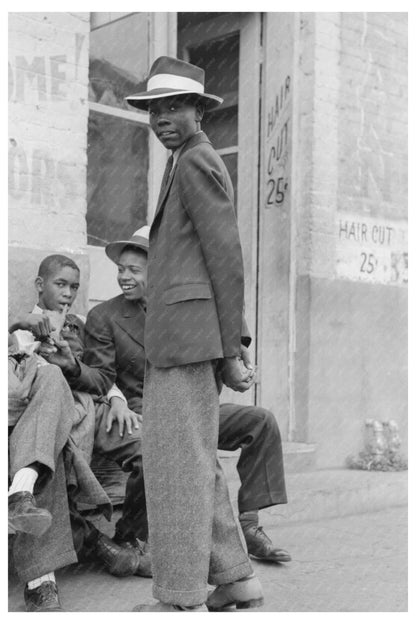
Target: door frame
[{"x": 248, "y": 25}]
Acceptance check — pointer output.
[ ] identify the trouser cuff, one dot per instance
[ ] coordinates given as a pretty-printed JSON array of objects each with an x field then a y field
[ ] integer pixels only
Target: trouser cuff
[
  {"x": 36, "y": 570},
  {"x": 260, "y": 502},
  {"x": 182, "y": 598},
  {"x": 231, "y": 574}
]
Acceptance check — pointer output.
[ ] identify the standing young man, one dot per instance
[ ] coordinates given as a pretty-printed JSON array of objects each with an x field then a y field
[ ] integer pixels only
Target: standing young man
[{"x": 193, "y": 333}]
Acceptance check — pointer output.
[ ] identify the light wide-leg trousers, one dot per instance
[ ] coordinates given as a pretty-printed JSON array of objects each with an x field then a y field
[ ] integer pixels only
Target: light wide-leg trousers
[
  {"x": 194, "y": 537},
  {"x": 39, "y": 436}
]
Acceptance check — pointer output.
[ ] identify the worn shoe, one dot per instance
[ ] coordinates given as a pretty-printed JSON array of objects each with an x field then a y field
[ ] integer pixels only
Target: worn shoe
[
  {"x": 135, "y": 543},
  {"x": 260, "y": 546},
  {"x": 164, "y": 607},
  {"x": 142, "y": 550},
  {"x": 121, "y": 561},
  {"x": 245, "y": 593},
  {"x": 43, "y": 598},
  {"x": 25, "y": 516}
]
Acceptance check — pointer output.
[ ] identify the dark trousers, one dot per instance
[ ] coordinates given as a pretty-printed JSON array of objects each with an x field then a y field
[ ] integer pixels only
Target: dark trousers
[
  {"x": 126, "y": 451},
  {"x": 260, "y": 465}
]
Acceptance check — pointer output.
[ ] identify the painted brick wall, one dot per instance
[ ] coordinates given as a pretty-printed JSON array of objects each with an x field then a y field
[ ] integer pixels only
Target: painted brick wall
[
  {"x": 351, "y": 316},
  {"x": 373, "y": 114},
  {"x": 48, "y": 112},
  {"x": 353, "y": 129}
]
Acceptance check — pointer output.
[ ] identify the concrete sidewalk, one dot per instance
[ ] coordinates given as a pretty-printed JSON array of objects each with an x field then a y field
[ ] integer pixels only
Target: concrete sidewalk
[
  {"x": 353, "y": 563},
  {"x": 346, "y": 531}
]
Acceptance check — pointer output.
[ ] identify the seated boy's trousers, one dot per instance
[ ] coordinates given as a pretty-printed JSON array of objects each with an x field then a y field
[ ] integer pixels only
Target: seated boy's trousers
[{"x": 39, "y": 436}]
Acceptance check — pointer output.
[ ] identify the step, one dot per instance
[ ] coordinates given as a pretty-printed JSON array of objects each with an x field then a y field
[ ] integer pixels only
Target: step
[
  {"x": 297, "y": 456},
  {"x": 312, "y": 495},
  {"x": 329, "y": 493}
]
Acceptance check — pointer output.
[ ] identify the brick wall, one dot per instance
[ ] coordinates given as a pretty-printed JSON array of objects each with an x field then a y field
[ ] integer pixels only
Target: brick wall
[
  {"x": 353, "y": 129},
  {"x": 373, "y": 114},
  {"x": 351, "y": 312},
  {"x": 48, "y": 112}
]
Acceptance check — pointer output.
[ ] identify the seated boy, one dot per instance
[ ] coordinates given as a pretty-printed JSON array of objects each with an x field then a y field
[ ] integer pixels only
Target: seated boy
[
  {"x": 41, "y": 413},
  {"x": 57, "y": 285}
]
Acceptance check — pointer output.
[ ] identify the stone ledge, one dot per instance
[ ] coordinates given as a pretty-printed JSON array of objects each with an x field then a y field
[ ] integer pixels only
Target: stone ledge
[
  {"x": 313, "y": 495},
  {"x": 330, "y": 493},
  {"x": 298, "y": 456}
]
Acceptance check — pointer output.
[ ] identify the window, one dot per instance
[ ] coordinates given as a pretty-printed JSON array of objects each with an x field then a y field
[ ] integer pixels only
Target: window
[{"x": 118, "y": 162}]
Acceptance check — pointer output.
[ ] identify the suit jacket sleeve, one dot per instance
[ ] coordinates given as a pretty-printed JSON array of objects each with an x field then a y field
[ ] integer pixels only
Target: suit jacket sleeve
[
  {"x": 98, "y": 370},
  {"x": 208, "y": 201},
  {"x": 245, "y": 333}
]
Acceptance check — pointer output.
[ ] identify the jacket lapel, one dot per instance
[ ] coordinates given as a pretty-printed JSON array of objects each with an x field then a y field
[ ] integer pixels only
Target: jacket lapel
[
  {"x": 132, "y": 319},
  {"x": 200, "y": 137}
]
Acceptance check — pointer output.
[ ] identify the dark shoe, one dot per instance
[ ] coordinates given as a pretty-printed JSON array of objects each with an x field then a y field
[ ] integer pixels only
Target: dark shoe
[
  {"x": 142, "y": 550},
  {"x": 25, "y": 517},
  {"x": 121, "y": 561},
  {"x": 134, "y": 542},
  {"x": 245, "y": 593},
  {"x": 260, "y": 546},
  {"x": 164, "y": 607},
  {"x": 43, "y": 598}
]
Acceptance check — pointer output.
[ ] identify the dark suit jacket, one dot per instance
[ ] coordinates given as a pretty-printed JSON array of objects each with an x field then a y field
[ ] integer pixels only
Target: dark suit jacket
[
  {"x": 114, "y": 350},
  {"x": 195, "y": 270}
]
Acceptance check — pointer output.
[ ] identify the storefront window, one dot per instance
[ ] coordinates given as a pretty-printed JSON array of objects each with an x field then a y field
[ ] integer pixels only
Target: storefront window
[
  {"x": 118, "y": 57},
  {"x": 118, "y": 136},
  {"x": 117, "y": 178}
]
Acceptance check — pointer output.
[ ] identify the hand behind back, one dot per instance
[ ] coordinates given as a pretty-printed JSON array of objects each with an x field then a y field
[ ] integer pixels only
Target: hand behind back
[{"x": 237, "y": 376}]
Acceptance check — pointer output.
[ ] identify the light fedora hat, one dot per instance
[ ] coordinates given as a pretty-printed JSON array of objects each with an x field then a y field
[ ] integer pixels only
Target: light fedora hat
[
  {"x": 170, "y": 76},
  {"x": 140, "y": 239}
]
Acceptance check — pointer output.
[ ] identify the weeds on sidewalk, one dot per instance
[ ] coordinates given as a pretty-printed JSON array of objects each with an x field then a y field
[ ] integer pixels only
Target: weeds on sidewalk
[
  {"x": 381, "y": 448},
  {"x": 388, "y": 461}
]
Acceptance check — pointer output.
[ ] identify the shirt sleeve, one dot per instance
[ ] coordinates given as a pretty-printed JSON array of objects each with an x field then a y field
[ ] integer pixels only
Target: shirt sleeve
[
  {"x": 115, "y": 392},
  {"x": 25, "y": 341}
]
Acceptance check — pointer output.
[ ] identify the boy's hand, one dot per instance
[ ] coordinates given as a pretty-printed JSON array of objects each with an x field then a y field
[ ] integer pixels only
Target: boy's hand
[
  {"x": 61, "y": 356},
  {"x": 39, "y": 324},
  {"x": 125, "y": 417},
  {"x": 57, "y": 319}
]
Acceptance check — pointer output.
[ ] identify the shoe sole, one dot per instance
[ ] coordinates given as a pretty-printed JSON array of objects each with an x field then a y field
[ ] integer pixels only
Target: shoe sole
[
  {"x": 36, "y": 525},
  {"x": 143, "y": 574},
  {"x": 282, "y": 559},
  {"x": 44, "y": 610},
  {"x": 246, "y": 604}
]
